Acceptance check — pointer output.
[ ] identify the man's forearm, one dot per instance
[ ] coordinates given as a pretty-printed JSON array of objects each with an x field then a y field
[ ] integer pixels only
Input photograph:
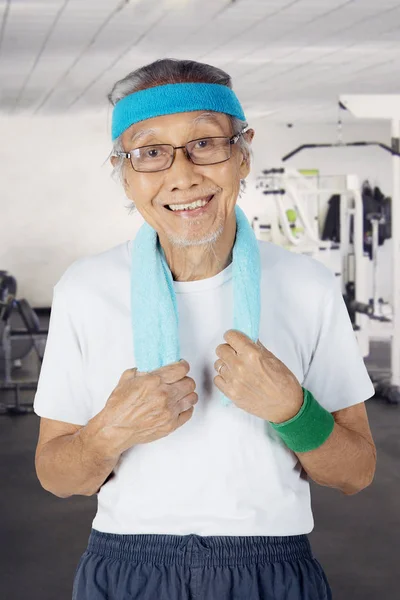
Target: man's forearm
[
  {"x": 345, "y": 461},
  {"x": 75, "y": 464}
]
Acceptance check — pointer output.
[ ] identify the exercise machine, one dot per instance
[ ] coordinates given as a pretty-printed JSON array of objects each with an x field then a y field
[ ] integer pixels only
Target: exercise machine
[
  {"x": 17, "y": 343},
  {"x": 380, "y": 106},
  {"x": 393, "y": 149},
  {"x": 294, "y": 222}
]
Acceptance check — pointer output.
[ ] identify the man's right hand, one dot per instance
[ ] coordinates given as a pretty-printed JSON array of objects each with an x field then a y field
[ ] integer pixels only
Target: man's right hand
[{"x": 145, "y": 407}]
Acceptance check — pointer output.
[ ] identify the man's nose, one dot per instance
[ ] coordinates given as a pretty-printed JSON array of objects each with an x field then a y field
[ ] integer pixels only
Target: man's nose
[{"x": 182, "y": 173}]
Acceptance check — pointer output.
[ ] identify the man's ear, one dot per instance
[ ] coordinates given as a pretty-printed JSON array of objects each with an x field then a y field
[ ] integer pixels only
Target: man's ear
[
  {"x": 245, "y": 164},
  {"x": 114, "y": 160},
  {"x": 126, "y": 185},
  {"x": 244, "y": 168},
  {"x": 248, "y": 135}
]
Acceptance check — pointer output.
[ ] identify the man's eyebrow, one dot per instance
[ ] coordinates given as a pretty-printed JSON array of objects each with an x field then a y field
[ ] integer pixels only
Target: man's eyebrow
[
  {"x": 139, "y": 134},
  {"x": 207, "y": 117}
]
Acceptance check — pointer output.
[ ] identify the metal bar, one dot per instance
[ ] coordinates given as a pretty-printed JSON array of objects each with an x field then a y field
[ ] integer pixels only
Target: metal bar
[
  {"x": 395, "y": 346},
  {"x": 358, "y": 247},
  {"x": 344, "y": 238},
  {"x": 375, "y": 243},
  {"x": 308, "y": 228}
]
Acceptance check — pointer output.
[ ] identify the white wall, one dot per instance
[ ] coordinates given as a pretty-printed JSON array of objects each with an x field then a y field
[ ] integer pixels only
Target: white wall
[{"x": 58, "y": 201}]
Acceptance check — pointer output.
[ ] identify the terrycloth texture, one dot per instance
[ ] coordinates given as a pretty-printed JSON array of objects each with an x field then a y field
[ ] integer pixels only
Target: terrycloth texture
[
  {"x": 153, "y": 300},
  {"x": 173, "y": 98},
  {"x": 309, "y": 429}
]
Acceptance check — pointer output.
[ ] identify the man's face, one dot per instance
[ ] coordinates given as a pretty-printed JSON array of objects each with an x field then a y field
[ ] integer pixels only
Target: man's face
[{"x": 185, "y": 182}]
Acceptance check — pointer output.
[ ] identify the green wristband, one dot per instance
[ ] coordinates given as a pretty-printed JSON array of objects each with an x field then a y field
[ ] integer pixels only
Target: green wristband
[{"x": 309, "y": 429}]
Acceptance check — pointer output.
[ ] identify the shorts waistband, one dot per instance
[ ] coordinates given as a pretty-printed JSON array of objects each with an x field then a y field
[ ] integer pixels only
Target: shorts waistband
[{"x": 197, "y": 550}]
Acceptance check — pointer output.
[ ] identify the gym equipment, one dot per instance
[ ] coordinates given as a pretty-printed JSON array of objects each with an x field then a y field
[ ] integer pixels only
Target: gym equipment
[
  {"x": 16, "y": 344},
  {"x": 345, "y": 256},
  {"x": 374, "y": 106},
  {"x": 387, "y": 106},
  {"x": 298, "y": 227},
  {"x": 394, "y": 150},
  {"x": 335, "y": 145}
]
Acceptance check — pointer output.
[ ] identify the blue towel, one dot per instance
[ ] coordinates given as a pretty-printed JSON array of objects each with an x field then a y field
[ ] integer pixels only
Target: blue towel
[{"x": 155, "y": 320}]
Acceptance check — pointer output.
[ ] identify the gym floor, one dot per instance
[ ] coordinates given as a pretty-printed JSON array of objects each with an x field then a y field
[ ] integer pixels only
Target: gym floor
[{"x": 356, "y": 538}]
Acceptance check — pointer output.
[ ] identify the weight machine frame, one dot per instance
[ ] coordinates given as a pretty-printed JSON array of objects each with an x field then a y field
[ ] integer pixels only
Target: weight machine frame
[
  {"x": 380, "y": 106},
  {"x": 352, "y": 258},
  {"x": 387, "y": 106}
]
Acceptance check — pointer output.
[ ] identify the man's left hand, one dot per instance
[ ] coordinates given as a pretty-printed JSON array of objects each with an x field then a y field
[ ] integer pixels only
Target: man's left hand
[{"x": 255, "y": 380}]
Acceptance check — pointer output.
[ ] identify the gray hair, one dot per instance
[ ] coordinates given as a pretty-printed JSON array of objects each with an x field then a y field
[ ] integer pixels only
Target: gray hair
[{"x": 170, "y": 70}]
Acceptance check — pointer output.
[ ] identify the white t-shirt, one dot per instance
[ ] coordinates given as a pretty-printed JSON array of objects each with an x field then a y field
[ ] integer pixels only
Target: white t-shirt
[{"x": 225, "y": 472}]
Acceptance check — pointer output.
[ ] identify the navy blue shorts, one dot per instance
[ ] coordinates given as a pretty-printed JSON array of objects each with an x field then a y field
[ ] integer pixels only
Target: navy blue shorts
[{"x": 194, "y": 567}]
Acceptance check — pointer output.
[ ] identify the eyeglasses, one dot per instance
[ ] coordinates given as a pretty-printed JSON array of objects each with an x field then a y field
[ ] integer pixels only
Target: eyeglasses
[{"x": 203, "y": 151}]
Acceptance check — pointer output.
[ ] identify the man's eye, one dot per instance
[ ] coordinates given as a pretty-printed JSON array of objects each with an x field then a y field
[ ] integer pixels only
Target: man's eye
[
  {"x": 153, "y": 153},
  {"x": 202, "y": 144}
]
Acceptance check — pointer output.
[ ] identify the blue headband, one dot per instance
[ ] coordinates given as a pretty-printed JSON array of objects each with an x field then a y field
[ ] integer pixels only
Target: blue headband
[{"x": 174, "y": 98}]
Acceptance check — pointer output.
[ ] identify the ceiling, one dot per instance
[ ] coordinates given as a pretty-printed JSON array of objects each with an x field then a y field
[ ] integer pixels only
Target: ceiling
[{"x": 289, "y": 60}]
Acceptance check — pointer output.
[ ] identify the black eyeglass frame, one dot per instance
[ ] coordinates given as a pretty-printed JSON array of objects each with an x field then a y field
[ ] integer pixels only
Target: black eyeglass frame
[{"x": 232, "y": 140}]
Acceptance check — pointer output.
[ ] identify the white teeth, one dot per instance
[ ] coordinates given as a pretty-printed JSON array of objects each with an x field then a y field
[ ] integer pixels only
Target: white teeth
[{"x": 191, "y": 206}]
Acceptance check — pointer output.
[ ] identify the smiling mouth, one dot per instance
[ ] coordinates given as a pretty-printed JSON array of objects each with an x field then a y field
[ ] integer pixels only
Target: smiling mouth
[{"x": 206, "y": 198}]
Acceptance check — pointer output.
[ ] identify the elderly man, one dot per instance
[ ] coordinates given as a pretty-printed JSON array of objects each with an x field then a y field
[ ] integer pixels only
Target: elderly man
[{"x": 202, "y": 480}]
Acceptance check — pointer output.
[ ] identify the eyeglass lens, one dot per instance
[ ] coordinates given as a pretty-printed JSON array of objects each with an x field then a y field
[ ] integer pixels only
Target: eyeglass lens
[{"x": 207, "y": 151}]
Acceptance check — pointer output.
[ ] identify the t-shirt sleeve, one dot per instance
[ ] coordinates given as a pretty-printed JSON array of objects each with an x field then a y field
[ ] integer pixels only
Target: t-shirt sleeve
[
  {"x": 337, "y": 376},
  {"x": 61, "y": 393}
]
